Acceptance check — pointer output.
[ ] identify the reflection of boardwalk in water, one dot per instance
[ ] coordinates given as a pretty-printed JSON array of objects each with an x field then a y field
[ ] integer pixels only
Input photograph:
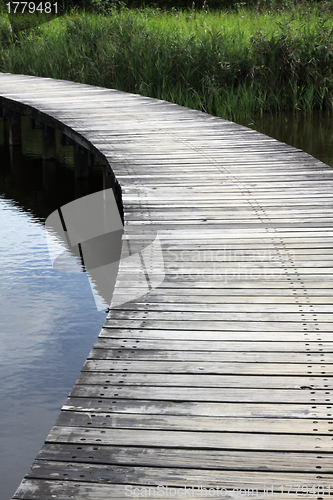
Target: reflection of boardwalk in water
[{"x": 221, "y": 376}]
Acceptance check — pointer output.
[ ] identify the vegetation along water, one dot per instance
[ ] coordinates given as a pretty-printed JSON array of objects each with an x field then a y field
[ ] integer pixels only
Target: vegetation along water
[{"x": 232, "y": 62}]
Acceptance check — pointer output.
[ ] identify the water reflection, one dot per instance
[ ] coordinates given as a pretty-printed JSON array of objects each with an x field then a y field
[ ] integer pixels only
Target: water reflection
[
  {"x": 48, "y": 320},
  {"x": 312, "y": 133},
  {"x": 41, "y": 187}
]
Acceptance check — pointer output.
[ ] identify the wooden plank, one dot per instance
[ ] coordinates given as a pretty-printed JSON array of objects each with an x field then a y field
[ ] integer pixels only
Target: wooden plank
[
  {"x": 184, "y": 380},
  {"x": 247, "y": 395},
  {"x": 214, "y": 345},
  {"x": 129, "y": 335},
  {"x": 194, "y": 423},
  {"x": 199, "y": 459},
  {"x": 210, "y": 367},
  {"x": 202, "y": 356},
  {"x": 245, "y": 410},
  {"x": 207, "y": 297},
  {"x": 224, "y": 294},
  {"x": 238, "y": 281},
  {"x": 227, "y": 202},
  {"x": 209, "y": 220},
  {"x": 310, "y": 326},
  {"x": 182, "y": 439},
  {"x": 173, "y": 477}
]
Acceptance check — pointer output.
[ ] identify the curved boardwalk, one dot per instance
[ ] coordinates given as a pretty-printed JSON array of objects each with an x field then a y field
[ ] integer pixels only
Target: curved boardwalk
[{"x": 220, "y": 376}]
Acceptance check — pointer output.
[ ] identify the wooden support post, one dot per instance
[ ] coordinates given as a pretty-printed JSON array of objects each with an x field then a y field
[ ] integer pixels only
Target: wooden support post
[
  {"x": 81, "y": 162},
  {"x": 35, "y": 124},
  {"x": 15, "y": 155},
  {"x": 66, "y": 141},
  {"x": 108, "y": 180},
  {"x": 15, "y": 137},
  {"x": 49, "y": 176},
  {"x": 6, "y": 130},
  {"x": 49, "y": 143},
  {"x": 91, "y": 160}
]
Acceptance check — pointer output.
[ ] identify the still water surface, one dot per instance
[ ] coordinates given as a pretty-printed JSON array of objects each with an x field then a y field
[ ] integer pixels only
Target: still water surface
[
  {"x": 312, "y": 133},
  {"x": 48, "y": 320}
]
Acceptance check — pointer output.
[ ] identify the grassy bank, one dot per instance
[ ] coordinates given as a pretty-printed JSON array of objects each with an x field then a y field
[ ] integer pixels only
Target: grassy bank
[{"x": 229, "y": 63}]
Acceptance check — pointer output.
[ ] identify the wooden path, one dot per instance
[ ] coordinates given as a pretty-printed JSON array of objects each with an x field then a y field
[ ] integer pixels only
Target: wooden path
[{"x": 222, "y": 376}]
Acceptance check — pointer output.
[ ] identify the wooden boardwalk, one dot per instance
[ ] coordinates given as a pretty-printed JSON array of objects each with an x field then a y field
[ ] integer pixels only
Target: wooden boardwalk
[{"x": 221, "y": 377}]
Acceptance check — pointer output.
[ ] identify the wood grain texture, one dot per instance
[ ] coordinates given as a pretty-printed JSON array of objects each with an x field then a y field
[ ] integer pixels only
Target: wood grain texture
[{"x": 221, "y": 376}]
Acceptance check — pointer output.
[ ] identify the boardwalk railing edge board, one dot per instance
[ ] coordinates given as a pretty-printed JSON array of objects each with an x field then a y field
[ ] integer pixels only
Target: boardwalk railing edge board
[{"x": 218, "y": 381}]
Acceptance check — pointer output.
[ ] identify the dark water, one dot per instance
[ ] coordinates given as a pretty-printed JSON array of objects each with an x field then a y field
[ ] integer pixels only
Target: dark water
[
  {"x": 48, "y": 320},
  {"x": 312, "y": 133}
]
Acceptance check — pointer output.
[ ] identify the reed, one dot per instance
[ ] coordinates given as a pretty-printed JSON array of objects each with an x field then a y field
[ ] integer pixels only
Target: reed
[{"x": 228, "y": 63}]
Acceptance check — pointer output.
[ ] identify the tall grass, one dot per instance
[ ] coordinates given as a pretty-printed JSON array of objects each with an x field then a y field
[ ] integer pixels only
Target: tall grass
[{"x": 232, "y": 64}]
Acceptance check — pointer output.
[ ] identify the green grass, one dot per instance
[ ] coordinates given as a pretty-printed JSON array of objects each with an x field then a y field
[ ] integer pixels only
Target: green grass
[{"x": 229, "y": 63}]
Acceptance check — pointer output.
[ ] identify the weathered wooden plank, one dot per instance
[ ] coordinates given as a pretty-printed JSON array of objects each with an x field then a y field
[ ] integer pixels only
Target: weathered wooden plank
[
  {"x": 153, "y": 476},
  {"x": 236, "y": 280},
  {"x": 214, "y": 394},
  {"x": 213, "y": 367},
  {"x": 214, "y": 345},
  {"x": 229, "y": 201},
  {"x": 184, "y": 380},
  {"x": 226, "y": 295},
  {"x": 266, "y": 298},
  {"x": 223, "y": 278},
  {"x": 182, "y": 439},
  {"x": 276, "y": 269},
  {"x": 202, "y": 356},
  {"x": 223, "y": 336},
  {"x": 219, "y": 315},
  {"x": 210, "y": 221},
  {"x": 194, "y": 423},
  {"x": 198, "y": 459},
  {"x": 261, "y": 410},
  {"x": 309, "y": 325}
]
